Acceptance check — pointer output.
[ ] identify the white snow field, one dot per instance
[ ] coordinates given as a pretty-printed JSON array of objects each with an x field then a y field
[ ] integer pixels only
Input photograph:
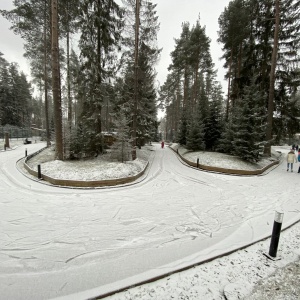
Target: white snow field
[{"x": 82, "y": 243}]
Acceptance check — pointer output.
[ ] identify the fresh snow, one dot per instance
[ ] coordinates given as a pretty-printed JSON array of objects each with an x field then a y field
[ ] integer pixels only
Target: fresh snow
[
  {"x": 79, "y": 243},
  {"x": 216, "y": 159},
  {"x": 232, "y": 276},
  {"x": 99, "y": 168}
]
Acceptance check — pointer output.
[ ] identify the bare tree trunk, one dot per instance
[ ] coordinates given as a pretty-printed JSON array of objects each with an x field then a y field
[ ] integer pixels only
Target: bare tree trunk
[
  {"x": 48, "y": 136},
  {"x": 98, "y": 108},
  {"x": 46, "y": 92},
  {"x": 267, "y": 149},
  {"x": 136, "y": 69},
  {"x": 56, "y": 83},
  {"x": 70, "y": 112}
]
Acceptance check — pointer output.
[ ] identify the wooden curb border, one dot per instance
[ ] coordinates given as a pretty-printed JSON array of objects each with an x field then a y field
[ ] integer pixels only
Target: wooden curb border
[
  {"x": 80, "y": 183},
  {"x": 225, "y": 170}
]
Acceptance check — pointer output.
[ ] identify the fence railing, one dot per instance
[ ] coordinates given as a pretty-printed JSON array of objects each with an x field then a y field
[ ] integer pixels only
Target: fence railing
[{"x": 15, "y": 132}]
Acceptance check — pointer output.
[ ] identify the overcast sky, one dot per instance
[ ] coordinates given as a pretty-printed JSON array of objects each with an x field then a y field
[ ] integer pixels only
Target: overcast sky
[{"x": 171, "y": 13}]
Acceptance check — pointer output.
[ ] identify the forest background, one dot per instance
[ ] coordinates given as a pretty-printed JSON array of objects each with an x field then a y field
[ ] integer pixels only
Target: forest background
[{"x": 109, "y": 84}]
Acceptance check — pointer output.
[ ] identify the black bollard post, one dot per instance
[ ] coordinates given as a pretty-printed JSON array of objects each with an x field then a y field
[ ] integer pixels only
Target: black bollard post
[
  {"x": 25, "y": 152},
  {"x": 276, "y": 233},
  {"x": 198, "y": 163},
  {"x": 177, "y": 150},
  {"x": 39, "y": 172}
]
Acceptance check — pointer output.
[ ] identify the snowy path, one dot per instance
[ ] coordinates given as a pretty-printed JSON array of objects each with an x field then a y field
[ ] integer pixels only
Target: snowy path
[{"x": 58, "y": 241}]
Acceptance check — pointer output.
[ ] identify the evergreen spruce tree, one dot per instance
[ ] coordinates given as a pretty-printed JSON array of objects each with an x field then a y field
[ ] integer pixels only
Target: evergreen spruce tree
[
  {"x": 77, "y": 141},
  {"x": 138, "y": 77},
  {"x": 181, "y": 67},
  {"x": 15, "y": 95},
  {"x": 188, "y": 86},
  {"x": 100, "y": 24},
  {"x": 25, "y": 99},
  {"x": 252, "y": 32},
  {"x": 199, "y": 58},
  {"x": 225, "y": 141},
  {"x": 214, "y": 123},
  {"x": 249, "y": 123},
  {"x": 4, "y": 92},
  {"x": 121, "y": 149},
  {"x": 79, "y": 87},
  {"x": 195, "y": 139},
  {"x": 183, "y": 129}
]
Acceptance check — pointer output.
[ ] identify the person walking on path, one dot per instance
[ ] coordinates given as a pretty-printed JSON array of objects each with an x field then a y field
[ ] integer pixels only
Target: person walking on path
[
  {"x": 291, "y": 158},
  {"x": 162, "y": 144}
]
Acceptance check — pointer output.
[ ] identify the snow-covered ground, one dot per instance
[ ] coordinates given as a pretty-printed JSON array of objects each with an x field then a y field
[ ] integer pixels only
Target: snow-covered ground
[
  {"x": 77, "y": 244},
  {"x": 98, "y": 168},
  {"x": 244, "y": 274},
  {"x": 221, "y": 160}
]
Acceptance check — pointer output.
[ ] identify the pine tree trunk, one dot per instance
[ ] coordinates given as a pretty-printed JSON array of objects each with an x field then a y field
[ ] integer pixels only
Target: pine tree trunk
[
  {"x": 56, "y": 83},
  {"x": 136, "y": 58},
  {"x": 48, "y": 137},
  {"x": 68, "y": 76},
  {"x": 99, "y": 79},
  {"x": 267, "y": 149}
]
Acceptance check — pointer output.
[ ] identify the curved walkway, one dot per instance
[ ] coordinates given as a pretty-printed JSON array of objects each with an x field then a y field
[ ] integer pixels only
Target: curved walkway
[{"x": 63, "y": 241}]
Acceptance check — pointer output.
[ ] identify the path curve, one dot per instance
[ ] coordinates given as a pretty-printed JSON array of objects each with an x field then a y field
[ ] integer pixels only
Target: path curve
[{"x": 56, "y": 242}]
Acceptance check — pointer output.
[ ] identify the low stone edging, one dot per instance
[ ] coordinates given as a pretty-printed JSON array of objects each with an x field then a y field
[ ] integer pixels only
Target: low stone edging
[
  {"x": 80, "y": 183},
  {"x": 225, "y": 170}
]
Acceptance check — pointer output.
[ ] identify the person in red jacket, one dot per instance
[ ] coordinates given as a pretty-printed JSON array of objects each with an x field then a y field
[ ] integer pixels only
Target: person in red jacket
[{"x": 162, "y": 144}]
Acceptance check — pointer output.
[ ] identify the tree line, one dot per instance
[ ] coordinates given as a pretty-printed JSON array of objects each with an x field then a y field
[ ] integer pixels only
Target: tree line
[
  {"x": 94, "y": 65},
  {"x": 260, "y": 43},
  {"x": 91, "y": 61},
  {"x": 17, "y": 106}
]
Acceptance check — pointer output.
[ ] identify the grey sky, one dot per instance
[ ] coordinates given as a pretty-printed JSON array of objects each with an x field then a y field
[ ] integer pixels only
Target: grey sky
[{"x": 172, "y": 13}]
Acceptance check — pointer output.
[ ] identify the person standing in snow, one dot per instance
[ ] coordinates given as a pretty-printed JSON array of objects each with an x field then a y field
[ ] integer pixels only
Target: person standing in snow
[
  {"x": 299, "y": 160},
  {"x": 291, "y": 158},
  {"x": 162, "y": 144}
]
